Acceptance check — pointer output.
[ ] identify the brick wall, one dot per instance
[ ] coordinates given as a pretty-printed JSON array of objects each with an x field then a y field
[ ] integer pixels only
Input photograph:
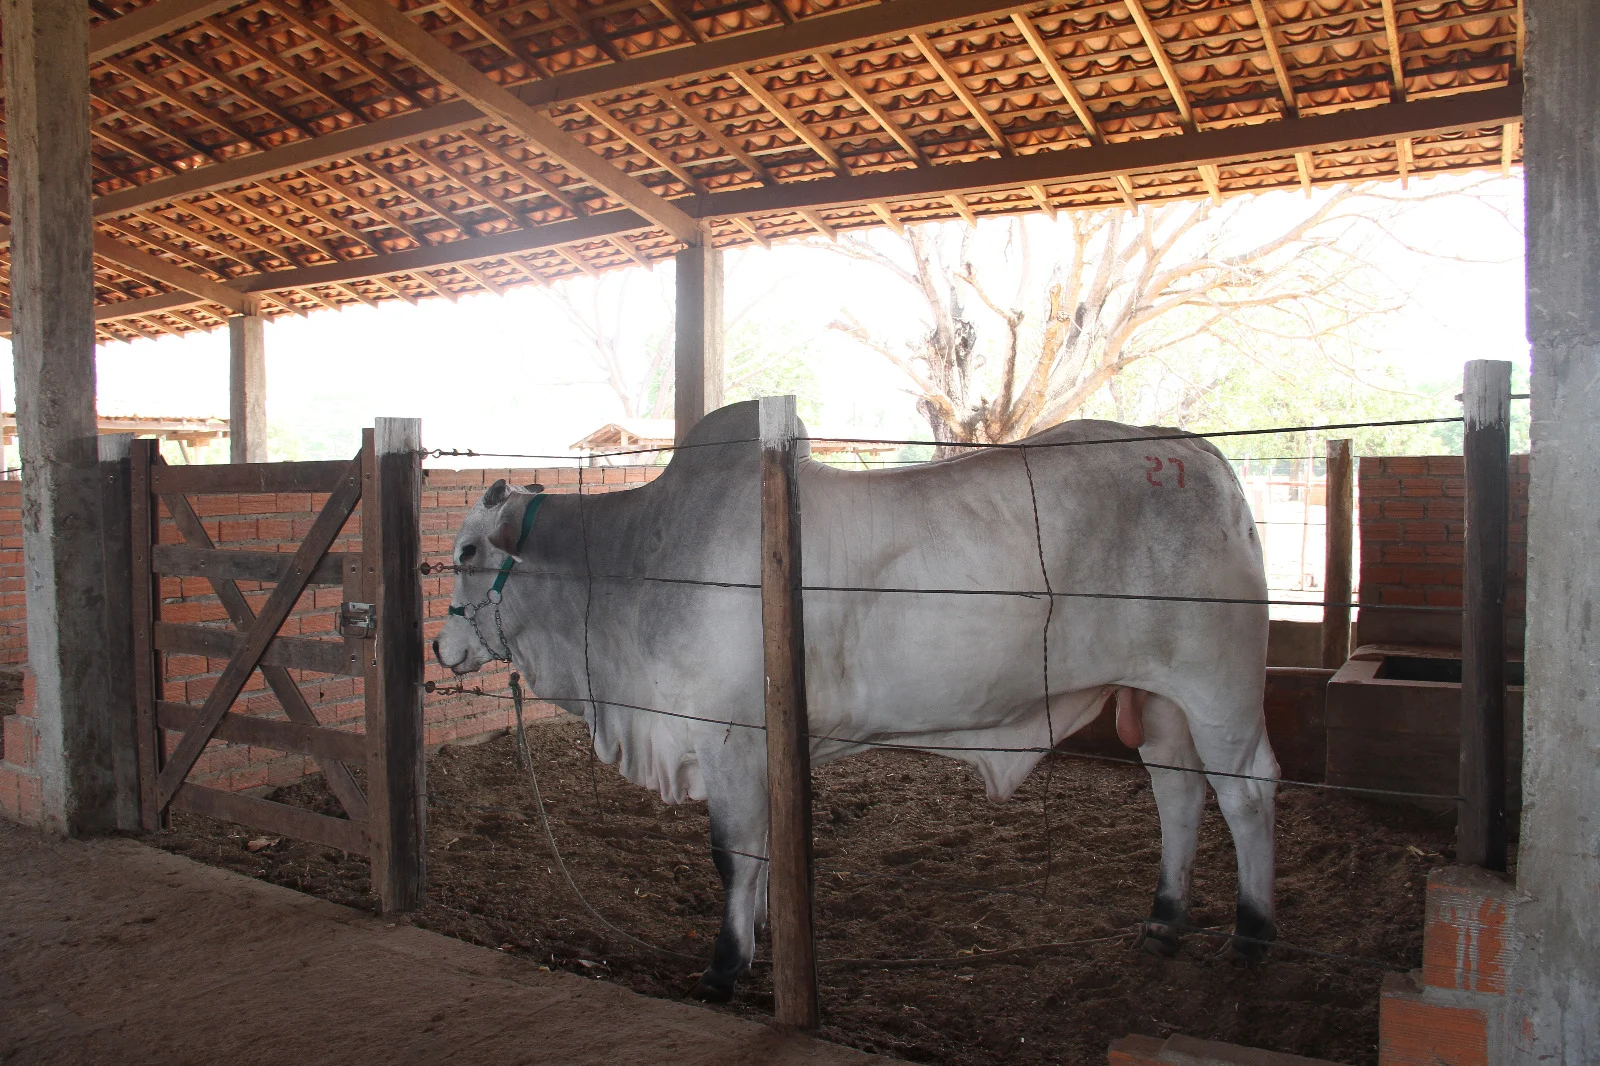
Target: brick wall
[
  {"x": 13, "y": 612},
  {"x": 276, "y": 522},
  {"x": 1412, "y": 540}
]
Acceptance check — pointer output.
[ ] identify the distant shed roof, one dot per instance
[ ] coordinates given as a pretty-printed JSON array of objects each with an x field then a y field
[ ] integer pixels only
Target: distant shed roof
[{"x": 296, "y": 154}]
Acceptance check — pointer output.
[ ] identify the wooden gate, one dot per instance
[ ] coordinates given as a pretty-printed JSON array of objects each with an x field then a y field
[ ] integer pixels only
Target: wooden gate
[{"x": 379, "y": 641}]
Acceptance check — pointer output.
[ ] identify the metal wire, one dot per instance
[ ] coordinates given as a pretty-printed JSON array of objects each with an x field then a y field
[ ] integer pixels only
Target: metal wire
[{"x": 1174, "y": 435}]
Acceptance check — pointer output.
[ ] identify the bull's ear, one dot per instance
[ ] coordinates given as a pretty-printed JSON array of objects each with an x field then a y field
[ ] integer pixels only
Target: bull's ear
[
  {"x": 508, "y": 523},
  {"x": 533, "y": 488},
  {"x": 496, "y": 494}
]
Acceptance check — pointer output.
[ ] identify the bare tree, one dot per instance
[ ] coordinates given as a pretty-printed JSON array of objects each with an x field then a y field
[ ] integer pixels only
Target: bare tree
[
  {"x": 1112, "y": 288},
  {"x": 602, "y": 310}
]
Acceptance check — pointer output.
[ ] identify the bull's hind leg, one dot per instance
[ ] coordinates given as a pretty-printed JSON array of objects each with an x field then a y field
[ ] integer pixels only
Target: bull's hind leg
[
  {"x": 736, "y": 791},
  {"x": 1247, "y": 804},
  {"x": 1180, "y": 800}
]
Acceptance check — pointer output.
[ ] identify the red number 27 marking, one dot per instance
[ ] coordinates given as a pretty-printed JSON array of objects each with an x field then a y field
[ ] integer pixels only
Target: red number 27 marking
[{"x": 1156, "y": 467}]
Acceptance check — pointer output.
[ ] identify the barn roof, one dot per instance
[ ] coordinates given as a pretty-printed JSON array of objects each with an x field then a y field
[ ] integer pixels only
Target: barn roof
[{"x": 285, "y": 155}]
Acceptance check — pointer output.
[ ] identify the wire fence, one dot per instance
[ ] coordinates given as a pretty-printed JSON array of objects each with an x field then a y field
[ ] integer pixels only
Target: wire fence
[{"x": 1047, "y": 594}]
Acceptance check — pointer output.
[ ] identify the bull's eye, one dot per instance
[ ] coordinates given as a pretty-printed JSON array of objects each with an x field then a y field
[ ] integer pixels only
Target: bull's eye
[{"x": 468, "y": 552}]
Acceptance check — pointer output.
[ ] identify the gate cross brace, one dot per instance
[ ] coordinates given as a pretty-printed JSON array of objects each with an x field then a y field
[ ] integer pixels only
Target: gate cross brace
[
  {"x": 247, "y": 655},
  {"x": 340, "y": 781}
]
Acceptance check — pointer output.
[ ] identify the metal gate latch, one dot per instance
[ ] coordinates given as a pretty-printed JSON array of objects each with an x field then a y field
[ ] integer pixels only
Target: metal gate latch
[{"x": 357, "y": 620}]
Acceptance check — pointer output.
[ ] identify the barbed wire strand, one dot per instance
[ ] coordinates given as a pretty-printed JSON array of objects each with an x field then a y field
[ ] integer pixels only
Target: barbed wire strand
[
  {"x": 936, "y": 748},
  {"x": 1177, "y": 434},
  {"x": 1032, "y": 594}
]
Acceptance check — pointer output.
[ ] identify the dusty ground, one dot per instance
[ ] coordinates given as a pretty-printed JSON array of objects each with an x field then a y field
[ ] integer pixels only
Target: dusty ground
[
  {"x": 913, "y": 864},
  {"x": 113, "y": 952}
]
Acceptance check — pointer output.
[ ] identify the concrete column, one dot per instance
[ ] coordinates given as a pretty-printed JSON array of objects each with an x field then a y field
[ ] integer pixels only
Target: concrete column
[
  {"x": 247, "y": 389},
  {"x": 697, "y": 369},
  {"x": 1555, "y": 998},
  {"x": 52, "y": 312}
]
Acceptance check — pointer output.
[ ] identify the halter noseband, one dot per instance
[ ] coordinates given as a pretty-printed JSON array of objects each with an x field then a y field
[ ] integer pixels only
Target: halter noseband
[{"x": 495, "y": 591}]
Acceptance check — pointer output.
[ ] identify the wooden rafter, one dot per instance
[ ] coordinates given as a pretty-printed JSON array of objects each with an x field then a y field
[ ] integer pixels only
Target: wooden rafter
[
  {"x": 751, "y": 84},
  {"x": 870, "y": 106},
  {"x": 1397, "y": 67},
  {"x": 1269, "y": 40},
  {"x": 149, "y": 22},
  {"x": 171, "y": 274},
  {"x": 1108, "y": 163},
  {"x": 1510, "y": 134},
  {"x": 953, "y": 82},
  {"x": 1306, "y": 164},
  {"x": 402, "y": 33},
  {"x": 1058, "y": 74},
  {"x": 1158, "y": 52}
]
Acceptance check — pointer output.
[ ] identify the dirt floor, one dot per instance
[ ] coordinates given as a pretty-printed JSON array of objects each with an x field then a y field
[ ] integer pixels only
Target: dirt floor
[{"x": 913, "y": 864}]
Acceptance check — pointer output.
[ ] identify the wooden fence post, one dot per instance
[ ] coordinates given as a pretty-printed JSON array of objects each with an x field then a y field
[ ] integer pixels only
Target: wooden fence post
[
  {"x": 145, "y": 594},
  {"x": 391, "y": 547},
  {"x": 1481, "y": 830},
  {"x": 1336, "y": 581},
  {"x": 794, "y": 958},
  {"x": 116, "y": 540}
]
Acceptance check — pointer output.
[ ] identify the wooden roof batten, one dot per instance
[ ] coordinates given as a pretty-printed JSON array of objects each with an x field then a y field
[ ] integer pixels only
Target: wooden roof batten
[{"x": 282, "y": 155}]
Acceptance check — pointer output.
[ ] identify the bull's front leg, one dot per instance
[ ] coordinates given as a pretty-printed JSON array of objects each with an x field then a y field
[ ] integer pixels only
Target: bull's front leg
[{"x": 735, "y": 772}]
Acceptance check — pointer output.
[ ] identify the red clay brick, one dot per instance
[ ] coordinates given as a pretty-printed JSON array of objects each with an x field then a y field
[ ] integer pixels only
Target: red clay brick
[
  {"x": 30, "y": 799},
  {"x": 1413, "y": 1032},
  {"x": 1417, "y": 487},
  {"x": 1402, "y": 509},
  {"x": 1448, "y": 465},
  {"x": 1464, "y": 942},
  {"x": 19, "y": 744},
  {"x": 1404, "y": 465}
]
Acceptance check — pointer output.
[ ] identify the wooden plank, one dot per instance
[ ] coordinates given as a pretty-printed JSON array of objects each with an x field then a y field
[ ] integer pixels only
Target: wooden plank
[
  {"x": 294, "y": 653},
  {"x": 149, "y": 22},
  {"x": 340, "y": 781},
  {"x": 250, "y": 647},
  {"x": 789, "y": 893},
  {"x": 323, "y": 476},
  {"x": 832, "y": 31},
  {"x": 172, "y": 274},
  {"x": 1486, "y": 448},
  {"x": 280, "y": 818},
  {"x": 1339, "y": 559},
  {"x": 186, "y": 560},
  {"x": 116, "y": 539},
  {"x": 398, "y": 29},
  {"x": 316, "y": 741},
  {"x": 145, "y": 609},
  {"x": 1464, "y": 111},
  {"x": 391, "y": 537}
]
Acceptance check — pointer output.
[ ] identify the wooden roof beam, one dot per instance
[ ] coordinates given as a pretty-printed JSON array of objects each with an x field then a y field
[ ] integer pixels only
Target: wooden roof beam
[
  {"x": 1269, "y": 37},
  {"x": 953, "y": 82},
  {"x": 1158, "y": 52},
  {"x": 675, "y": 15},
  {"x": 1397, "y": 69},
  {"x": 716, "y": 56},
  {"x": 149, "y": 22},
  {"x": 605, "y": 118},
  {"x": 1306, "y": 164},
  {"x": 171, "y": 274},
  {"x": 398, "y": 30},
  {"x": 1108, "y": 163},
  {"x": 1058, "y": 74},
  {"x": 1212, "y": 179},
  {"x": 1510, "y": 134},
  {"x": 751, "y": 84},
  {"x": 870, "y": 106}
]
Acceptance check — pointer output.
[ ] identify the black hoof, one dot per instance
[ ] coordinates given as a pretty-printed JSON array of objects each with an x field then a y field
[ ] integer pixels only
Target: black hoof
[
  {"x": 1252, "y": 937},
  {"x": 1159, "y": 940},
  {"x": 712, "y": 989}
]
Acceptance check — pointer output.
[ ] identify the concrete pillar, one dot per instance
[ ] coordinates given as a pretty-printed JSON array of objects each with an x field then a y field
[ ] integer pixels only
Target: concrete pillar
[
  {"x": 1555, "y": 1000},
  {"x": 247, "y": 389},
  {"x": 697, "y": 369},
  {"x": 52, "y": 312}
]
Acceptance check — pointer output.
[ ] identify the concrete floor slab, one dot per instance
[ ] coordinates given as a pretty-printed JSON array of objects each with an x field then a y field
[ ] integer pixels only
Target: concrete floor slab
[{"x": 111, "y": 951}]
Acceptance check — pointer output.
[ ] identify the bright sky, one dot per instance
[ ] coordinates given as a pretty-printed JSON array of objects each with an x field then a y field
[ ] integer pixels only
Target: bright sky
[{"x": 507, "y": 373}]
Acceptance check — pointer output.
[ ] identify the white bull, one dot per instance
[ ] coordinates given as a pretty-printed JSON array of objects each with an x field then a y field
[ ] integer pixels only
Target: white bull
[{"x": 585, "y": 617}]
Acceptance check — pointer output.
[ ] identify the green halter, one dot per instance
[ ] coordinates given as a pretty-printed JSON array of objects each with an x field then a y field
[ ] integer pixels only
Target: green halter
[{"x": 495, "y": 591}]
